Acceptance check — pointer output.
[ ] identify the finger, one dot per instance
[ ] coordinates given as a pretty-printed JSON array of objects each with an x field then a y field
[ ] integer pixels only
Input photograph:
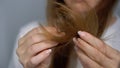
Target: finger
[
  {"x": 112, "y": 53},
  {"x": 36, "y": 30},
  {"x": 34, "y": 61},
  {"x": 98, "y": 44},
  {"x": 46, "y": 63},
  {"x": 85, "y": 60},
  {"x": 90, "y": 39},
  {"x": 37, "y": 38},
  {"x": 93, "y": 53},
  {"x": 31, "y": 41},
  {"x": 36, "y": 48}
]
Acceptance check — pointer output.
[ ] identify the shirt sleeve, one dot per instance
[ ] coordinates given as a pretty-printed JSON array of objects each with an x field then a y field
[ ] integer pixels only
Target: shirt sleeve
[{"x": 14, "y": 61}]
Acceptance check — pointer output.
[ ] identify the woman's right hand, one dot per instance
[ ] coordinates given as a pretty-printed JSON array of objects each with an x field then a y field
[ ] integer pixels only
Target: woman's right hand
[{"x": 33, "y": 51}]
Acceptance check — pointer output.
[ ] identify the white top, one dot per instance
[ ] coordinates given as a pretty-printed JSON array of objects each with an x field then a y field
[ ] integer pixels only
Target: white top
[{"x": 111, "y": 36}]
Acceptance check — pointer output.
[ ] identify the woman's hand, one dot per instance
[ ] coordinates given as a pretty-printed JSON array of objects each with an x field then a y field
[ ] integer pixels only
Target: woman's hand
[
  {"x": 94, "y": 53},
  {"x": 34, "y": 49}
]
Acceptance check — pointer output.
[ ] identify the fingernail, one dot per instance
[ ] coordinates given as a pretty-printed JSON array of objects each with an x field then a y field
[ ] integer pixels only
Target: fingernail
[
  {"x": 74, "y": 39},
  {"x": 81, "y": 33},
  {"x": 49, "y": 51}
]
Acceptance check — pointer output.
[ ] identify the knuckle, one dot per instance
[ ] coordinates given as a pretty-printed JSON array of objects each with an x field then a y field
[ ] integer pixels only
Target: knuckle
[
  {"x": 32, "y": 49},
  {"x": 22, "y": 58},
  {"x": 35, "y": 38},
  {"x": 37, "y": 29},
  {"x": 101, "y": 43},
  {"x": 96, "y": 56},
  {"x": 117, "y": 56},
  {"x": 19, "y": 51},
  {"x": 20, "y": 41},
  {"x": 103, "y": 48}
]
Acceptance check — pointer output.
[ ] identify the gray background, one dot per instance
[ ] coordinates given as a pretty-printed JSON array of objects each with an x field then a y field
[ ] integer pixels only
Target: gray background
[{"x": 13, "y": 15}]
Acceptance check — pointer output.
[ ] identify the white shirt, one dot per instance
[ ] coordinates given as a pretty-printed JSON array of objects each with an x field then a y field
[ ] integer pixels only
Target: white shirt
[{"x": 111, "y": 36}]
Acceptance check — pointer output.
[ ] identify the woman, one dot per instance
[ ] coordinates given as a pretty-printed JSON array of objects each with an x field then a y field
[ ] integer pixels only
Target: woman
[{"x": 91, "y": 52}]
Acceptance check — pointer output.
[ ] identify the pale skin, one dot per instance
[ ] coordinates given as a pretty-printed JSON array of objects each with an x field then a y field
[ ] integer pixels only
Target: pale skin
[
  {"x": 94, "y": 53},
  {"x": 34, "y": 52}
]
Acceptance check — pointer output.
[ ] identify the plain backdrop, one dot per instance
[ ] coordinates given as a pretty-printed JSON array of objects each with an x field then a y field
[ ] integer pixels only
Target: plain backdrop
[{"x": 13, "y": 15}]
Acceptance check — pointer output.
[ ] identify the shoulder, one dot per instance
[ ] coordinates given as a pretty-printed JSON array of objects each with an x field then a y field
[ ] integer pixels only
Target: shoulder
[
  {"x": 112, "y": 35},
  {"x": 113, "y": 29}
]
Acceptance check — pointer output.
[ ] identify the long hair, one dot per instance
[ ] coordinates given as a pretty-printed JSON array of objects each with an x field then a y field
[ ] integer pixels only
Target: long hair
[{"x": 65, "y": 20}]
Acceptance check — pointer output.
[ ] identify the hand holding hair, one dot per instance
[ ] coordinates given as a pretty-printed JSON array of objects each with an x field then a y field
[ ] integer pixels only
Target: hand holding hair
[{"x": 94, "y": 53}]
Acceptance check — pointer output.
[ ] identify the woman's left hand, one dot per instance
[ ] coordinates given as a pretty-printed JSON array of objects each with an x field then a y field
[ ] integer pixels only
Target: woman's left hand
[{"x": 94, "y": 53}]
